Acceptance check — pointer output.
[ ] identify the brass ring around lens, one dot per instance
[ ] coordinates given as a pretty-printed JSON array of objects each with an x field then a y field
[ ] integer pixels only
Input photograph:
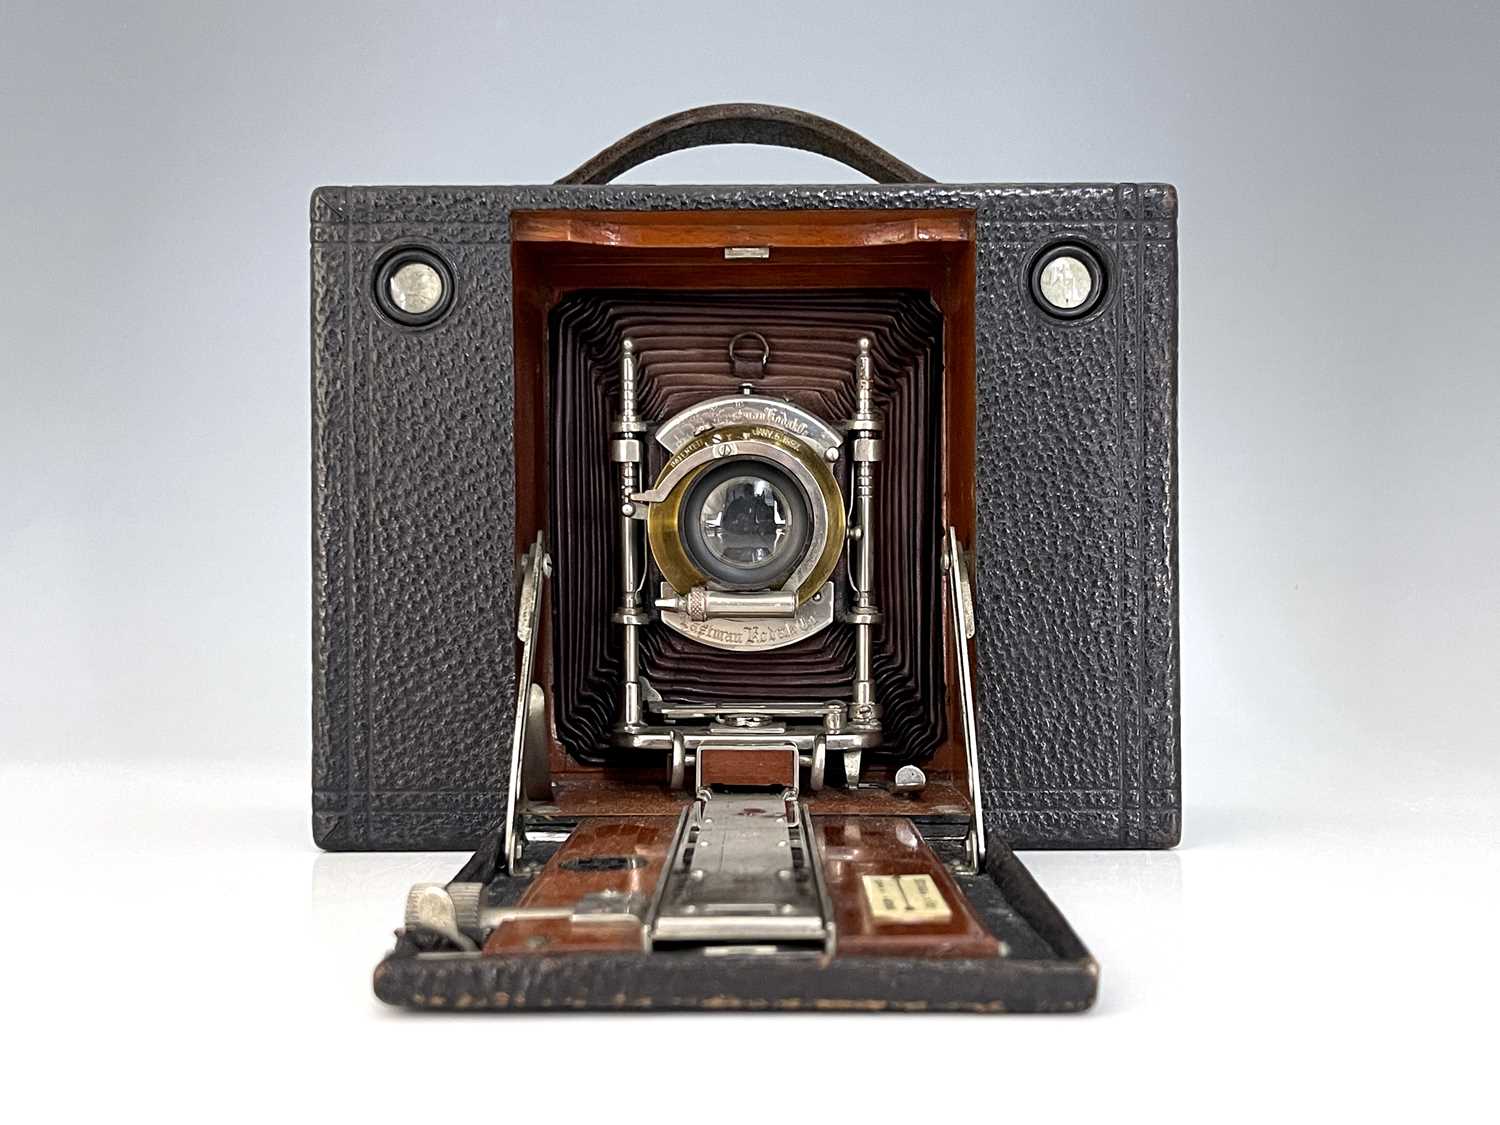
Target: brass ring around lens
[{"x": 743, "y": 443}]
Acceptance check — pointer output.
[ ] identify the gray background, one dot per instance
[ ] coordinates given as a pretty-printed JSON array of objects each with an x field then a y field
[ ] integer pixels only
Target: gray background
[{"x": 1337, "y": 165}]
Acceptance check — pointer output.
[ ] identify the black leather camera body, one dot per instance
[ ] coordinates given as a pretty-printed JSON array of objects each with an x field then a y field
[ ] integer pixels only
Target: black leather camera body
[{"x": 742, "y": 572}]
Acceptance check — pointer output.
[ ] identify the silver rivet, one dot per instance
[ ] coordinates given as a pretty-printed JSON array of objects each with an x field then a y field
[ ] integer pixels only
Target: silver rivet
[
  {"x": 1066, "y": 282},
  {"x": 416, "y": 288},
  {"x": 910, "y": 779}
]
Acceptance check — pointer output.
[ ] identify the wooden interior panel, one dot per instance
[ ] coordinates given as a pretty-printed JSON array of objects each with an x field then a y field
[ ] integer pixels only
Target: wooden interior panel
[
  {"x": 853, "y": 847},
  {"x": 717, "y": 229},
  {"x": 613, "y": 792},
  {"x": 555, "y": 253},
  {"x": 628, "y": 856},
  {"x": 603, "y": 855},
  {"x": 759, "y": 767}
]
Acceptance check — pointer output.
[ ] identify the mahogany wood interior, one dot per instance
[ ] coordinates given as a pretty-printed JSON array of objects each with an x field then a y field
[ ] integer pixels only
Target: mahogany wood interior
[
  {"x": 856, "y": 846},
  {"x": 628, "y": 855},
  {"x": 617, "y": 792},
  {"x": 554, "y": 253},
  {"x": 578, "y": 868}
]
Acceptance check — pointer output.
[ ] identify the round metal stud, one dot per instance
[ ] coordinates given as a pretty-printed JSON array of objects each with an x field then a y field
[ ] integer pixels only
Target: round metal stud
[
  {"x": 910, "y": 780},
  {"x": 413, "y": 286},
  {"x": 416, "y": 288},
  {"x": 1068, "y": 280},
  {"x": 1065, "y": 282}
]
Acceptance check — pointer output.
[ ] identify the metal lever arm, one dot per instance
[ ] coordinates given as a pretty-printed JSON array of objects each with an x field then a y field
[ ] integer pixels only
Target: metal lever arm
[
  {"x": 535, "y": 568},
  {"x": 961, "y": 616}
]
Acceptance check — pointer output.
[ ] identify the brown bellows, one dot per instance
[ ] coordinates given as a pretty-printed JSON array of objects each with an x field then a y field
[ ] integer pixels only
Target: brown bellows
[{"x": 681, "y": 341}]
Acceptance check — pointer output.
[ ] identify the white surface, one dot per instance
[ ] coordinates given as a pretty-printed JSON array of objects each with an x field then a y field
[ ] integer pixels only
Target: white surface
[{"x": 1279, "y": 959}]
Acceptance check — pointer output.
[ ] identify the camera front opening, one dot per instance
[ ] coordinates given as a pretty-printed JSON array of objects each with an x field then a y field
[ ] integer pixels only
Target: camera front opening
[{"x": 747, "y": 723}]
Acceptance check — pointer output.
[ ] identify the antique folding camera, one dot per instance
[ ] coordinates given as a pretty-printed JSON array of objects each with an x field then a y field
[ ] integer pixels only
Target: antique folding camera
[{"x": 744, "y": 572}]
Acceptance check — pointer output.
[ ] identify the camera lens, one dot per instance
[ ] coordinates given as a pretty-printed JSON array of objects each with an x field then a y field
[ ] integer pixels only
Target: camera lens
[
  {"x": 745, "y": 524},
  {"x": 744, "y": 521}
]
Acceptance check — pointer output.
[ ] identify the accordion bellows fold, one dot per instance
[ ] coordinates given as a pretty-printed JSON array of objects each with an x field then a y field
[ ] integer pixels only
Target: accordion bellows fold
[{"x": 681, "y": 341}]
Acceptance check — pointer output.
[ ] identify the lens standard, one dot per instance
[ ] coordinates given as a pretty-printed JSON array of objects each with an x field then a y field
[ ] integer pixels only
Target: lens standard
[{"x": 744, "y": 521}]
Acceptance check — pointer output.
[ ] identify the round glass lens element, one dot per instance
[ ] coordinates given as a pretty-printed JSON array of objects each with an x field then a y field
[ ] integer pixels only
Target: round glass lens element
[
  {"x": 744, "y": 521},
  {"x": 416, "y": 288},
  {"x": 1066, "y": 282}
]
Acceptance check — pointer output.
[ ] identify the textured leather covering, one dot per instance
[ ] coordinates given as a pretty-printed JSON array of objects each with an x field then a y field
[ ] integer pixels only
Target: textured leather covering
[
  {"x": 413, "y": 543},
  {"x": 681, "y": 342}
]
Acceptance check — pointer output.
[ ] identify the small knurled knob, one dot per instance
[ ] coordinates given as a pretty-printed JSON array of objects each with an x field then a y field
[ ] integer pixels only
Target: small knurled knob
[
  {"x": 466, "y": 904},
  {"x": 428, "y": 906}
]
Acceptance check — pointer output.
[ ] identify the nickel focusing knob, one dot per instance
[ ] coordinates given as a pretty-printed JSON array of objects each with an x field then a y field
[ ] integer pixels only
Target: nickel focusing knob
[{"x": 448, "y": 911}]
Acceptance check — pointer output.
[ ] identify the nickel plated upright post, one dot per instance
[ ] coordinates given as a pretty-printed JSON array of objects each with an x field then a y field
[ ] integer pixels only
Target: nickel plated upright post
[
  {"x": 865, "y": 429},
  {"x": 626, "y": 451}
]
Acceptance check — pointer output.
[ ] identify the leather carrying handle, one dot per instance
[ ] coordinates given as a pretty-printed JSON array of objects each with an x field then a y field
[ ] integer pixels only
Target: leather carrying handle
[{"x": 745, "y": 123}]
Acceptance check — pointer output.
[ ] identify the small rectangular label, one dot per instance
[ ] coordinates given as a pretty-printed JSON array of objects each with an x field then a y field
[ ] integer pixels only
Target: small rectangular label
[{"x": 905, "y": 898}]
